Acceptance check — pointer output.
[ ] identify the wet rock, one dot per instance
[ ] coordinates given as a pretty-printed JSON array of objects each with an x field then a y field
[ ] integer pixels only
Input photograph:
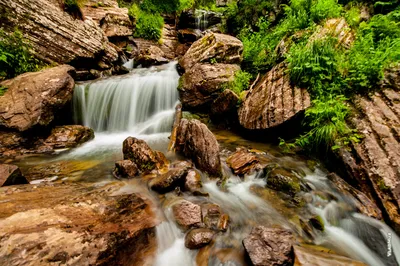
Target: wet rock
[
  {"x": 213, "y": 48},
  {"x": 151, "y": 56},
  {"x": 177, "y": 121},
  {"x": 372, "y": 165},
  {"x": 282, "y": 180},
  {"x": 199, "y": 18},
  {"x": 182, "y": 164},
  {"x": 272, "y": 101},
  {"x": 307, "y": 256},
  {"x": 187, "y": 214},
  {"x": 213, "y": 217},
  {"x": 317, "y": 223},
  {"x": 203, "y": 83},
  {"x": 142, "y": 155},
  {"x": 169, "y": 181},
  {"x": 243, "y": 162},
  {"x": 74, "y": 224},
  {"x": 198, "y": 143},
  {"x": 362, "y": 203},
  {"x": 188, "y": 35},
  {"x": 125, "y": 168},
  {"x": 225, "y": 107},
  {"x": 269, "y": 246},
  {"x": 193, "y": 181},
  {"x": 34, "y": 98},
  {"x": 11, "y": 175},
  {"x": 198, "y": 238},
  {"x": 69, "y": 136},
  {"x": 55, "y": 35}
]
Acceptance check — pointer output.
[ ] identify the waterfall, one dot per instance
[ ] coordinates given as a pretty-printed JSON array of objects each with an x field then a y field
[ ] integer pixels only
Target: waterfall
[{"x": 201, "y": 19}]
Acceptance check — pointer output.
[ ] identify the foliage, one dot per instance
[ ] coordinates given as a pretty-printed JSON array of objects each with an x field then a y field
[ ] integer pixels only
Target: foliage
[
  {"x": 2, "y": 90},
  {"x": 324, "y": 9},
  {"x": 15, "y": 55},
  {"x": 166, "y": 6},
  {"x": 241, "y": 82},
  {"x": 148, "y": 26},
  {"x": 352, "y": 16}
]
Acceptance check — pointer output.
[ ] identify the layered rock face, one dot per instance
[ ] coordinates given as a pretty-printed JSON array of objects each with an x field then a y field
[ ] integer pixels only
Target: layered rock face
[
  {"x": 55, "y": 35},
  {"x": 77, "y": 224},
  {"x": 198, "y": 143},
  {"x": 373, "y": 164},
  {"x": 33, "y": 98},
  {"x": 209, "y": 66},
  {"x": 272, "y": 101}
]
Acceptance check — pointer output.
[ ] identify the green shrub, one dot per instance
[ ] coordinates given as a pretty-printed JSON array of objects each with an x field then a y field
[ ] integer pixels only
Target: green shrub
[
  {"x": 352, "y": 16},
  {"x": 324, "y": 9},
  {"x": 166, "y": 6},
  {"x": 241, "y": 82},
  {"x": 148, "y": 26},
  {"x": 15, "y": 55}
]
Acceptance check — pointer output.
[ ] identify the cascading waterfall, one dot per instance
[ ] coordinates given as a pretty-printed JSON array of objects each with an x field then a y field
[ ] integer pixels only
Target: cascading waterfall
[{"x": 201, "y": 19}]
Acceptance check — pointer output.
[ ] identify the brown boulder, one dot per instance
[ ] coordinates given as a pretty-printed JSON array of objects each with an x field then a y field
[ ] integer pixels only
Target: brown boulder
[
  {"x": 169, "y": 181},
  {"x": 373, "y": 164},
  {"x": 142, "y": 155},
  {"x": 55, "y": 35},
  {"x": 69, "y": 136},
  {"x": 213, "y": 217},
  {"x": 213, "y": 48},
  {"x": 198, "y": 238},
  {"x": 187, "y": 214},
  {"x": 33, "y": 98},
  {"x": 151, "y": 56},
  {"x": 193, "y": 181},
  {"x": 269, "y": 246},
  {"x": 11, "y": 175},
  {"x": 272, "y": 101},
  {"x": 75, "y": 224},
  {"x": 198, "y": 143},
  {"x": 125, "y": 168},
  {"x": 243, "y": 162},
  {"x": 203, "y": 83}
]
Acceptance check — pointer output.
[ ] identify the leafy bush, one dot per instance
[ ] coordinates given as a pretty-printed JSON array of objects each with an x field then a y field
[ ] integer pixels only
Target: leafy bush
[
  {"x": 148, "y": 26},
  {"x": 166, "y": 6},
  {"x": 324, "y": 9},
  {"x": 352, "y": 16},
  {"x": 241, "y": 82},
  {"x": 15, "y": 56}
]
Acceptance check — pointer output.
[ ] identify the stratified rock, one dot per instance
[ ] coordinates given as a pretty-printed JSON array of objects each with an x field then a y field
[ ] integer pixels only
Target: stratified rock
[
  {"x": 193, "y": 181},
  {"x": 198, "y": 18},
  {"x": 142, "y": 155},
  {"x": 151, "y": 56},
  {"x": 272, "y": 101},
  {"x": 55, "y": 35},
  {"x": 361, "y": 201},
  {"x": 225, "y": 106},
  {"x": 243, "y": 162},
  {"x": 33, "y": 98},
  {"x": 213, "y": 48},
  {"x": 269, "y": 246},
  {"x": 11, "y": 175},
  {"x": 306, "y": 256},
  {"x": 125, "y": 168},
  {"x": 187, "y": 214},
  {"x": 69, "y": 136},
  {"x": 75, "y": 224},
  {"x": 202, "y": 83},
  {"x": 169, "y": 181},
  {"x": 198, "y": 143},
  {"x": 198, "y": 238},
  {"x": 376, "y": 158}
]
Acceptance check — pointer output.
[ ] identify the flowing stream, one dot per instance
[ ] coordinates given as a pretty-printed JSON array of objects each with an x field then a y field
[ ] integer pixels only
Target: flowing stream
[{"x": 142, "y": 103}]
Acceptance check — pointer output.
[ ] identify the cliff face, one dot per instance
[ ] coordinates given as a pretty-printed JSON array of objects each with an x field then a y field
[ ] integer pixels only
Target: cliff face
[{"x": 56, "y": 36}]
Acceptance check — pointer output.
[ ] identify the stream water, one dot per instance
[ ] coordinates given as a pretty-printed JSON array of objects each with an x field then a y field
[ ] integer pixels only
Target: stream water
[{"x": 142, "y": 103}]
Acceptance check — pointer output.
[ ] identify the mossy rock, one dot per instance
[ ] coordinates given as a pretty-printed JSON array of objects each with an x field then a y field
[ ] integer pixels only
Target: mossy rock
[
  {"x": 283, "y": 180},
  {"x": 317, "y": 222}
]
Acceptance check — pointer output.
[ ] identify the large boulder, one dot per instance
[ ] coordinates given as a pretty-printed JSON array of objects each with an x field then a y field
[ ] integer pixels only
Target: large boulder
[
  {"x": 213, "y": 48},
  {"x": 34, "y": 98},
  {"x": 373, "y": 164},
  {"x": 75, "y": 224},
  {"x": 269, "y": 246},
  {"x": 11, "y": 175},
  {"x": 142, "y": 155},
  {"x": 202, "y": 84},
  {"x": 272, "y": 101},
  {"x": 56, "y": 36},
  {"x": 69, "y": 136},
  {"x": 198, "y": 143}
]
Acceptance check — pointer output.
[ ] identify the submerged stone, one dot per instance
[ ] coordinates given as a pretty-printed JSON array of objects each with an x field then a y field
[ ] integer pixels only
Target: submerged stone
[
  {"x": 198, "y": 238},
  {"x": 169, "y": 181}
]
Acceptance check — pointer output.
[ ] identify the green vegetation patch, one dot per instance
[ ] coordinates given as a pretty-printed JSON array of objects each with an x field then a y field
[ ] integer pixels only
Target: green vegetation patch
[
  {"x": 241, "y": 82},
  {"x": 148, "y": 26}
]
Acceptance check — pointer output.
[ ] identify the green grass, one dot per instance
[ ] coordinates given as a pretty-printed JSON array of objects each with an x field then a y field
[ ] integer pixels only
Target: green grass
[
  {"x": 148, "y": 26},
  {"x": 241, "y": 82}
]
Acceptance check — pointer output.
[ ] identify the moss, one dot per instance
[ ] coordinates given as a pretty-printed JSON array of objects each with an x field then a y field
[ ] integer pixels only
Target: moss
[
  {"x": 147, "y": 166},
  {"x": 382, "y": 186},
  {"x": 190, "y": 116},
  {"x": 180, "y": 83},
  {"x": 282, "y": 180}
]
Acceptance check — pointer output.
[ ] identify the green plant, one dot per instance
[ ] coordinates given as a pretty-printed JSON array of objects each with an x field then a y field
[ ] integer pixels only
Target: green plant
[
  {"x": 352, "y": 16},
  {"x": 148, "y": 26},
  {"x": 241, "y": 82},
  {"x": 15, "y": 55},
  {"x": 2, "y": 90},
  {"x": 324, "y": 9},
  {"x": 166, "y": 6}
]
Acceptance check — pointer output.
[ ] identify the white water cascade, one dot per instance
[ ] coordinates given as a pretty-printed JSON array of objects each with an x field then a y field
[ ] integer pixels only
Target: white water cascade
[{"x": 139, "y": 104}]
